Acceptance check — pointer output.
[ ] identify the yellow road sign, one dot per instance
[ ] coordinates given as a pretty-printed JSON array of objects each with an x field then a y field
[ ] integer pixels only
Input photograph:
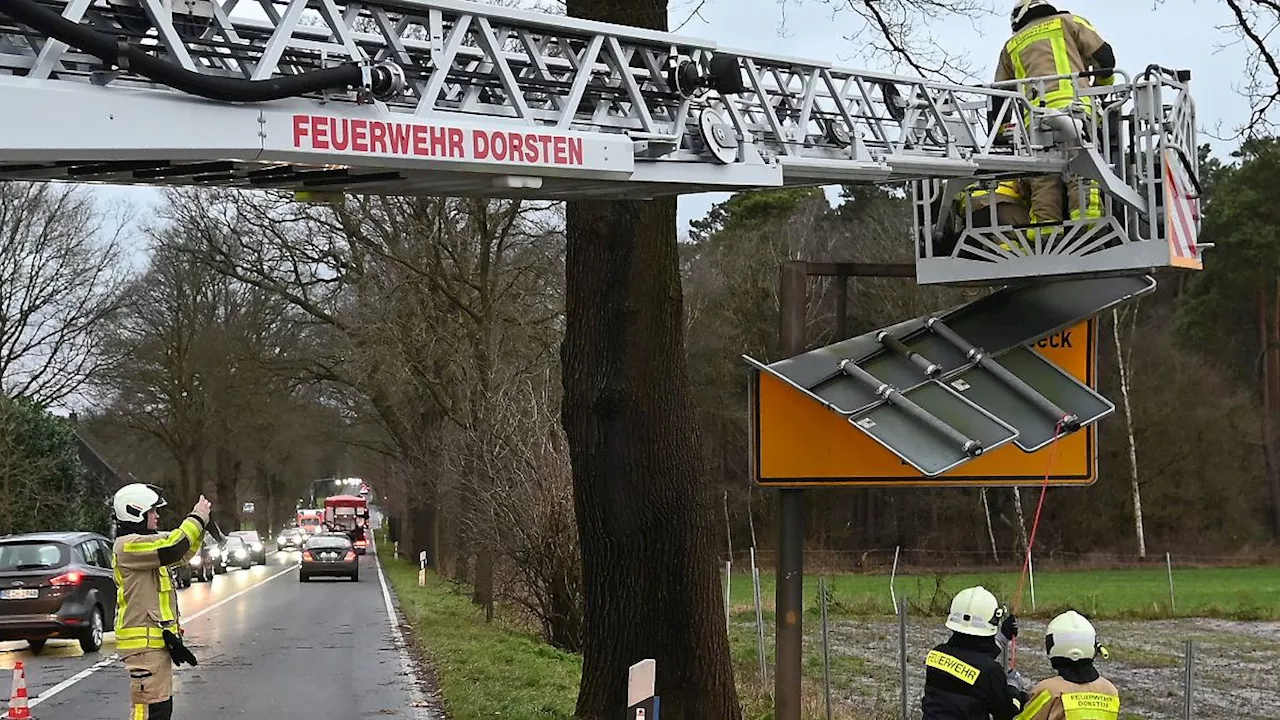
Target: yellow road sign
[{"x": 798, "y": 443}]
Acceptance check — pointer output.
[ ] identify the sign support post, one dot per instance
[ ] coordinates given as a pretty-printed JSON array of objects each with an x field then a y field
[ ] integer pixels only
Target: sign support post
[{"x": 789, "y": 602}]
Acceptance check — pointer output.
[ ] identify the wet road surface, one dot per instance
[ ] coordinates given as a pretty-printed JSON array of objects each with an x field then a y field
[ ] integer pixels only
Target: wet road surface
[{"x": 268, "y": 645}]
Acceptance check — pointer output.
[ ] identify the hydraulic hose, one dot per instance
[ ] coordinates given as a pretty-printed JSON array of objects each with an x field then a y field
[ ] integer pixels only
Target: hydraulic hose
[{"x": 116, "y": 52}]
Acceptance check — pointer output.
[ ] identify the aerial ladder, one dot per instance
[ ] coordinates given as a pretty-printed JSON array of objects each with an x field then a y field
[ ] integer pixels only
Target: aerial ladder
[{"x": 457, "y": 98}]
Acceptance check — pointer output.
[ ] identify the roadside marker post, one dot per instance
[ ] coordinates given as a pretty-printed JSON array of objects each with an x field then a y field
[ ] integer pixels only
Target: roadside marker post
[
  {"x": 422, "y": 569},
  {"x": 642, "y": 703}
]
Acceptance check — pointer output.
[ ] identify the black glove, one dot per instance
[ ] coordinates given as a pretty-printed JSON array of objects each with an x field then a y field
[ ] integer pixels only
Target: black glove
[
  {"x": 177, "y": 651},
  {"x": 1009, "y": 627}
]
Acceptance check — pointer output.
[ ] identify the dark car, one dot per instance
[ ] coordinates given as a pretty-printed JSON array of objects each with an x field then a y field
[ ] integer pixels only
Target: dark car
[
  {"x": 208, "y": 562},
  {"x": 331, "y": 555},
  {"x": 257, "y": 550},
  {"x": 236, "y": 553},
  {"x": 56, "y": 585}
]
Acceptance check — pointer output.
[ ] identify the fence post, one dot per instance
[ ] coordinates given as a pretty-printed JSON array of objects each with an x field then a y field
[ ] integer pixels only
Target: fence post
[
  {"x": 902, "y": 653},
  {"x": 1031, "y": 576},
  {"x": 823, "y": 589},
  {"x": 1168, "y": 563},
  {"x": 893, "y": 577},
  {"x": 755, "y": 581},
  {"x": 1188, "y": 706},
  {"x": 728, "y": 581}
]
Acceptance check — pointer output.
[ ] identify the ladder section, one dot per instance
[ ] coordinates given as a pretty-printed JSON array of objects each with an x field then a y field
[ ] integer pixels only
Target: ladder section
[
  {"x": 1134, "y": 143},
  {"x": 455, "y": 97},
  {"x": 943, "y": 389}
]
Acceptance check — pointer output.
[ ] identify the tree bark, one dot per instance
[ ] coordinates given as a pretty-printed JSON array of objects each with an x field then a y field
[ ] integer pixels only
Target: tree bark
[
  {"x": 226, "y": 509},
  {"x": 649, "y": 565},
  {"x": 1269, "y": 336},
  {"x": 645, "y": 529}
]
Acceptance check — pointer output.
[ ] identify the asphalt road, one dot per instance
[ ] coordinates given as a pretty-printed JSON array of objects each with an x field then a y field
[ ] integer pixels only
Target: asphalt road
[{"x": 268, "y": 645}]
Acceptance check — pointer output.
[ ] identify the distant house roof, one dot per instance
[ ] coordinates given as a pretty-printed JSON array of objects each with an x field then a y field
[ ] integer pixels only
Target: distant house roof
[{"x": 107, "y": 477}]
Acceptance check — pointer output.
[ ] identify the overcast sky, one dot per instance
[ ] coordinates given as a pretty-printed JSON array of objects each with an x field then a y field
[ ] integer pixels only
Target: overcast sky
[{"x": 1180, "y": 33}]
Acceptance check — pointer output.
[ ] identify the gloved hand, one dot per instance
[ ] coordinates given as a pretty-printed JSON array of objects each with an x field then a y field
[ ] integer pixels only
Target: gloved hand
[
  {"x": 1009, "y": 627},
  {"x": 177, "y": 651},
  {"x": 1018, "y": 681},
  {"x": 1006, "y": 134}
]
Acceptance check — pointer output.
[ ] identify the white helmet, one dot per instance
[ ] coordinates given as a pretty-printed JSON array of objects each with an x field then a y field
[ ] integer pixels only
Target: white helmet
[
  {"x": 974, "y": 611},
  {"x": 1022, "y": 7},
  {"x": 132, "y": 502},
  {"x": 1071, "y": 636}
]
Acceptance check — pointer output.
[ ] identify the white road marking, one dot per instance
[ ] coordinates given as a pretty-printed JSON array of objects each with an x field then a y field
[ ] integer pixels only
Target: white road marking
[
  {"x": 116, "y": 656},
  {"x": 416, "y": 699}
]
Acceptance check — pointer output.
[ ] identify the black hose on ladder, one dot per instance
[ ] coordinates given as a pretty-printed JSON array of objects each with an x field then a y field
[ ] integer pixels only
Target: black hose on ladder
[{"x": 117, "y": 53}]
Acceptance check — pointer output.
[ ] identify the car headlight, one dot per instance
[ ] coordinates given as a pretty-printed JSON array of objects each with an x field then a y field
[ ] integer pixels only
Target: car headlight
[{"x": 256, "y": 547}]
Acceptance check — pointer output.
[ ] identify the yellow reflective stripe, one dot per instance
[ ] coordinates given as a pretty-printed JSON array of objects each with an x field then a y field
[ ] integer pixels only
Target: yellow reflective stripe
[
  {"x": 1061, "y": 66},
  {"x": 1054, "y": 33},
  {"x": 1044, "y": 698},
  {"x": 166, "y": 596},
  {"x": 952, "y": 666},
  {"x": 1006, "y": 188},
  {"x": 1090, "y": 706},
  {"x": 1009, "y": 189},
  {"x": 138, "y": 638},
  {"x": 1085, "y": 23},
  {"x": 121, "y": 604},
  {"x": 191, "y": 528},
  {"x": 142, "y": 546},
  {"x": 139, "y": 712}
]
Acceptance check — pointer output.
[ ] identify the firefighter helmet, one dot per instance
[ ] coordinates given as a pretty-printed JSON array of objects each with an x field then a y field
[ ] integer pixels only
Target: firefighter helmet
[
  {"x": 1022, "y": 7},
  {"x": 1071, "y": 636},
  {"x": 132, "y": 502},
  {"x": 975, "y": 611}
]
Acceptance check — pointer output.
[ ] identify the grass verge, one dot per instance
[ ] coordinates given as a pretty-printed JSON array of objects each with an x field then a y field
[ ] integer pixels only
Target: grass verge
[
  {"x": 1247, "y": 594},
  {"x": 484, "y": 670}
]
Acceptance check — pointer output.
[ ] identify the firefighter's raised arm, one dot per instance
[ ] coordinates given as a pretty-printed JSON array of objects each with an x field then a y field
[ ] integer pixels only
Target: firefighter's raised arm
[{"x": 153, "y": 550}]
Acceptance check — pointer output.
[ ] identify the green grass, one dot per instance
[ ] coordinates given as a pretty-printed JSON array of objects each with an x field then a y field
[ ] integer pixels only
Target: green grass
[
  {"x": 502, "y": 670},
  {"x": 484, "y": 670},
  {"x": 1236, "y": 593}
]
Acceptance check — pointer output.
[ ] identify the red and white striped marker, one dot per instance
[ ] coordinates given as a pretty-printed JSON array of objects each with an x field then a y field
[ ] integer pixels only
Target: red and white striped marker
[
  {"x": 1181, "y": 214},
  {"x": 18, "y": 709}
]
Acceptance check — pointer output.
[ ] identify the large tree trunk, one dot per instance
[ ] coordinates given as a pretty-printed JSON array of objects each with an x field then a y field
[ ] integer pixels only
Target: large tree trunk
[
  {"x": 644, "y": 517},
  {"x": 226, "y": 508},
  {"x": 1269, "y": 336}
]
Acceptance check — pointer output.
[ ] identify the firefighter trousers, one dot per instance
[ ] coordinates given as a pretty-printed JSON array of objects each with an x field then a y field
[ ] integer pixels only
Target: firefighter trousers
[
  {"x": 150, "y": 685},
  {"x": 1046, "y": 198}
]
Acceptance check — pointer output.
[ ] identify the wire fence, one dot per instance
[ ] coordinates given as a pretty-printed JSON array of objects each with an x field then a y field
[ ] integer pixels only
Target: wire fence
[
  {"x": 864, "y": 659},
  {"x": 872, "y": 668},
  {"x": 914, "y": 560}
]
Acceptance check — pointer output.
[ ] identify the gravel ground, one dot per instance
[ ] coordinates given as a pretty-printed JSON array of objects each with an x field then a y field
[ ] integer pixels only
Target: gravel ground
[{"x": 1234, "y": 665}]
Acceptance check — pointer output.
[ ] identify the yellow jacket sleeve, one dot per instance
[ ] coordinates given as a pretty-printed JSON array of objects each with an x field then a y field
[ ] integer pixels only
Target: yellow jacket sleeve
[{"x": 144, "y": 552}]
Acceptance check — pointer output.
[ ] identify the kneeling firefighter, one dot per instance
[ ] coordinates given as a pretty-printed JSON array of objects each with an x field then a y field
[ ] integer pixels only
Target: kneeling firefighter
[
  {"x": 148, "y": 632},
  {"x": 1078, "y": 691},
  {"x": 964, "y": 679}
]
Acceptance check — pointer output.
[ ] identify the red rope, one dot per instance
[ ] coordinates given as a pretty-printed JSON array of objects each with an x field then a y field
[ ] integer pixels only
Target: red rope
[{"x": 1031, "y": 541}]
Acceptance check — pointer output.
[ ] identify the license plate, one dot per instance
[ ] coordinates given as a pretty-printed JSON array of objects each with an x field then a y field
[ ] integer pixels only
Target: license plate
[{"x": 19, "y": 594}]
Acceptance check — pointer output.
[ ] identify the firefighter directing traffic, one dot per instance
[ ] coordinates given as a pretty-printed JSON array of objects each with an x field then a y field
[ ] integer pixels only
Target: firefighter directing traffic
[{"x": 148, "y": 632}]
